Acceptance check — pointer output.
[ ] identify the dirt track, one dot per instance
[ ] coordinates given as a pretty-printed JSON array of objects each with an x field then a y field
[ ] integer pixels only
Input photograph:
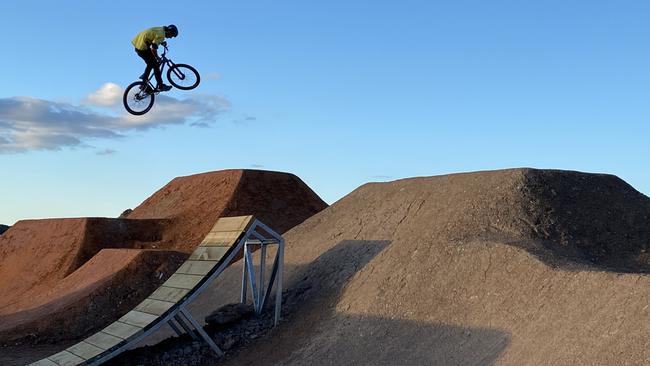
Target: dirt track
[{"x": 514, "y": 267}]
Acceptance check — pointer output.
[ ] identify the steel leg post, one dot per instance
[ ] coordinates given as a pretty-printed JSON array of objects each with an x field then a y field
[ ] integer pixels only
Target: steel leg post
[
  {"x": 260, "y": 295},
  {"x": 174, "y": 327},
  {"x": 251, "y": 277},
  {"x": 244, "y": 278},
  {"x": 274, "y": 273},
  {"x": 278, "y": 294},
  {"x": 188, "y": 330}
]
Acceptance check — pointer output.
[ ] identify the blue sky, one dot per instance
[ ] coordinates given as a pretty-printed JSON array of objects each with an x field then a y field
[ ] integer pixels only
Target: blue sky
[{"x": 339, "y": 93}]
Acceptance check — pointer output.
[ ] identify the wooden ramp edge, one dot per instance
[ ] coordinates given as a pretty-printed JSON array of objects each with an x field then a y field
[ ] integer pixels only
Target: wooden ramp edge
[{"x": 211, "y": 256}]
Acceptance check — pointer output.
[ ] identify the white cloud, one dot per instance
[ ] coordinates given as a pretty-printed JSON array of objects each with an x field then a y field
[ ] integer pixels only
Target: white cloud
[
  {"x": 28, "y": 123},
  {"x": 109, "y": 95}
]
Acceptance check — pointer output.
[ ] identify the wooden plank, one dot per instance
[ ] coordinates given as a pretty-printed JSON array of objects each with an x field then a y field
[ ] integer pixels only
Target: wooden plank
[
  {"x": 209, "y": 253},
  {"x": 155, "y": 307},
  {"x": 138, "y": 318},
  {"x": 221, "y": 238},
  {"x": 66, "y": 358},
  {"x": 237, "y": 223},
  {"x": 44, "y": 362},
  {"x": 103, "y": 340},
  {"x": 85, "y": 350},
  {"x": 170, "y": 294},
  {"x": 200, "y": 268},
  {"x": 183, "y": 281},
  {"x": 121, "y": 330}
]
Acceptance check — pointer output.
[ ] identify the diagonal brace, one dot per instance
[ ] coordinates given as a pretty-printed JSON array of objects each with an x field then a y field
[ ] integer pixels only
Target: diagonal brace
[{"x": 201, "y": 332}]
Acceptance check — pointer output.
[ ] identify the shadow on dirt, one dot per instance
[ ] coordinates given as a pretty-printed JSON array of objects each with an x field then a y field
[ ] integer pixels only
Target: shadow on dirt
[{"x": 308, "y": 329}]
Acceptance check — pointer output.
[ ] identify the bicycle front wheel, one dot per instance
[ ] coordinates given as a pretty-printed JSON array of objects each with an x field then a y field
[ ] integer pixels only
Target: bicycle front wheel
[
  {"x": 138, "y": 98},
  {"x": 183, "y": 76}
]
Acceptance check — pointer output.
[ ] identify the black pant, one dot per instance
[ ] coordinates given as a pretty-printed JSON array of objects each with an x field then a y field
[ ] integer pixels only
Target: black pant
[{"x": 152, "y": 63}]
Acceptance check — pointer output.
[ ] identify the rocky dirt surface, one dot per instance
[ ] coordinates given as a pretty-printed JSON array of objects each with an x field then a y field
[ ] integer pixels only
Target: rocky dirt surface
[
  {"x": 511, "y": 267},
  {"x": 232, "y": 327},
  {"x": 39, "y": 258}
]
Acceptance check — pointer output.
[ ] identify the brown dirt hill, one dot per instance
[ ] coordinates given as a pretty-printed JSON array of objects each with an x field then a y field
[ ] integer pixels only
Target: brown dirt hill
[
  {"x": 104, "y": 285},
  {"x": 38, "y": 255},
  {"x": 193, "y": 203},
  {"x": 512, "y": 267}
]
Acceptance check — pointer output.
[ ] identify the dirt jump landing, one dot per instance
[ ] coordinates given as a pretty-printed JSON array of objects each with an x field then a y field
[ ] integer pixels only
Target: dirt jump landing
[
  {"x": 42, "y": 261},
  {"x": 512, "y": 267}
]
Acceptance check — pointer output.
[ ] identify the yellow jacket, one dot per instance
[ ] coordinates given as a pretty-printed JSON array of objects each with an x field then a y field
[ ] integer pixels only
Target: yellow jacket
[{"x": 147, "y": 37}]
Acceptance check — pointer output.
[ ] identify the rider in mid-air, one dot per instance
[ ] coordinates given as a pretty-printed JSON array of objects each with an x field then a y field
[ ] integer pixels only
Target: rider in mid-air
[{"x": 146, "y": 46}]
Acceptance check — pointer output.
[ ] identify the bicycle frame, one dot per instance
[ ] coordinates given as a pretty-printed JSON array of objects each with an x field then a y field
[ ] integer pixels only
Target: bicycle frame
[{"x": 164, "y": 61}]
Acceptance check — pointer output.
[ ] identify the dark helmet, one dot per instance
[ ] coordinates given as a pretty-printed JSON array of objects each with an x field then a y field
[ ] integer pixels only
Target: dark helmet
[{"x": 171, "y": 31}]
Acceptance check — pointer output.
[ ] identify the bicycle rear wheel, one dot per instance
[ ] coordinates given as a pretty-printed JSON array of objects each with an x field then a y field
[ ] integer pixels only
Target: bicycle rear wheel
[
  {"x": 183, "y": 76},
  {"x": 137, "y": 99}
]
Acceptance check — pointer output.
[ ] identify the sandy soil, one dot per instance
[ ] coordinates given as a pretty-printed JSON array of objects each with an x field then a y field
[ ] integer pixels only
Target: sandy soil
[{"x": 512, "y": 267}]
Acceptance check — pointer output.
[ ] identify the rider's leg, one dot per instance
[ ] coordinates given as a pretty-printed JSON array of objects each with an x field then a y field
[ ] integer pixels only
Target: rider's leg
[
  {"x": 152, "y": 64},
  {"x": 147, "y": 57}
]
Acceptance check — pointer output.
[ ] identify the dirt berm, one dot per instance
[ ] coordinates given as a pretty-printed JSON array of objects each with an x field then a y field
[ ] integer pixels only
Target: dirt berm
[
  {"x": 58, "y": 278},
  {"x": 511, "y": 267}
]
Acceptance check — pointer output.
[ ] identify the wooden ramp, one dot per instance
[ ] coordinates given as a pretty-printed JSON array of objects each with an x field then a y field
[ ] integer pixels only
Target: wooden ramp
[{"x": 167, "y": 305}]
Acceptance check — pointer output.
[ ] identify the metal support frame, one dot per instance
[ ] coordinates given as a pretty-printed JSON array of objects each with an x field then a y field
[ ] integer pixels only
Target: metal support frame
[
  {"x": 259, "y": 288},
  {"x": 174, "y": 327},
  {"x": 183, "y": 325},
  {"x": 180, "y": 314}
]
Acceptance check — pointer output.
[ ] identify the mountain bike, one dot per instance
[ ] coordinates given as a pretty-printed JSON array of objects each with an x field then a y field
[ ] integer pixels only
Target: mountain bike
[{"x": 140, "y": 95}]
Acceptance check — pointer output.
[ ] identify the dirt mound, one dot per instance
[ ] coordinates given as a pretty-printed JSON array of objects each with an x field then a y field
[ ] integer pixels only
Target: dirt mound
[
  {"x": 36, "y": 254},
  {"x": 517, "y": 266},
  {"x": 40, "y": 259},
  {"x": 193, "y": 203},
  {"x": 510, "y": 267},
  {"x": 92, "y": 296}
]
